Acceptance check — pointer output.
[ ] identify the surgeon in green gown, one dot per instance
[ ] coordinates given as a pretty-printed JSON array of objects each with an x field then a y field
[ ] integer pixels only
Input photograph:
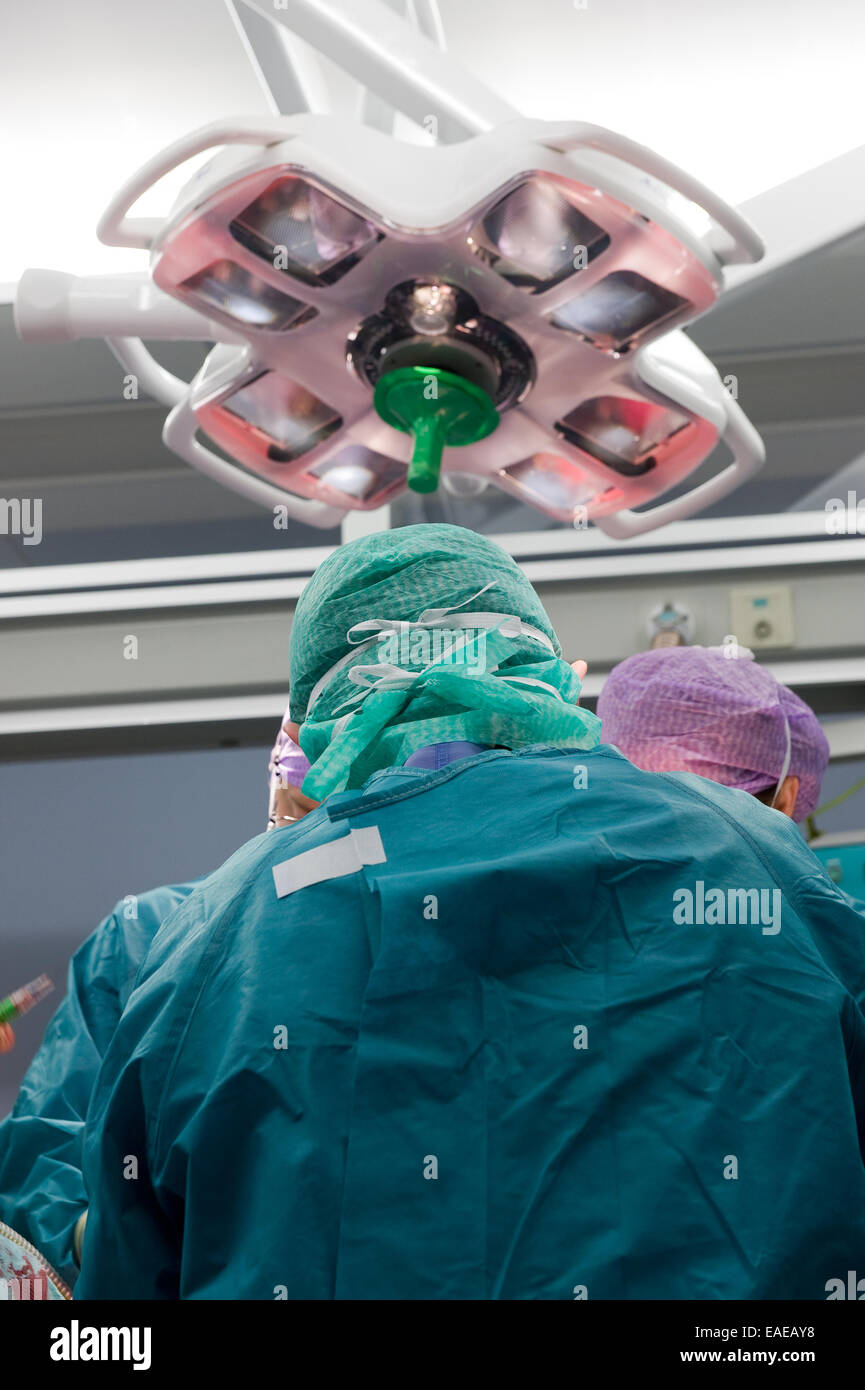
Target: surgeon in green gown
[
  {"x": 505, "y": 1017},
  {"x": 41, "y": 1183}
]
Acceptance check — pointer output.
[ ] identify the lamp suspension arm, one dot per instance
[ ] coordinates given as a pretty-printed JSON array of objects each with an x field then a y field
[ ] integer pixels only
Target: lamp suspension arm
[
  {"x": 396, "y": 61},
  {"x": 291, "y": 81}
]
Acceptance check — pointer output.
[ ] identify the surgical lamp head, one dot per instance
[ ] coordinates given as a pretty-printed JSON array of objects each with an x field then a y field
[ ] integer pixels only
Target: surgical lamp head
[{"x": 506, "y": 310}]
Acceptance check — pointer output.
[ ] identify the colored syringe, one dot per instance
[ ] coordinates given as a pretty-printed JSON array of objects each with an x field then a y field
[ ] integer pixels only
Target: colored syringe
[{"x": 21, "y": 1001}]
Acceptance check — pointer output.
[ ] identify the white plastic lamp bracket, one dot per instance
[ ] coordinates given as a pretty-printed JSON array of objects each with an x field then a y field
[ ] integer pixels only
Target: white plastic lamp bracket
[
  {"x": 116, "y": 228},
  {"x": 156, "y": 380},
  {"x": 745, "y": 246},
  {"x": 178, "y": 435},
  {"x": 749, "y": 454}
]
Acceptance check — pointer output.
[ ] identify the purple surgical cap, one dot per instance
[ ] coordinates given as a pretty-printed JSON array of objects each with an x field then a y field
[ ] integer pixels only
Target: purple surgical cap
[{"x": 698, "y": 709}]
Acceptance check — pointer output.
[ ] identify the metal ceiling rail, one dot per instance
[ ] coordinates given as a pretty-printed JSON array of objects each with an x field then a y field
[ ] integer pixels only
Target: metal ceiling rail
[
  {"x": 846, "y": 736},
  {"x": 716, "y": 531},
  {"x": 116, "y": 574},
  {"x": 805, "y": 215},
  {"x": 142, "y": 713},
  {"x": 792, "y": 555}
]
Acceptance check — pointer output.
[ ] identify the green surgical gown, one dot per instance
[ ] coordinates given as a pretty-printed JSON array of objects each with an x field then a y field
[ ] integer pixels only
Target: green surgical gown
[
  {"x": 478, "y": 1052},
  {"x": 41, "y": 1183}
]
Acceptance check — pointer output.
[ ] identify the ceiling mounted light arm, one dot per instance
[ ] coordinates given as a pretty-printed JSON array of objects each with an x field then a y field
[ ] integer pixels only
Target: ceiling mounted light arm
[
  {"x": 745, "y": 244},
  {"x": 749, "y": 454},
  {"x": 804, "y": 216},
  {"x": 51, "y": 306},
  {"x": 396, "y": 61},
  {"x": 424, "y": 16},
  {"x": 372, "y": 109},
  {"x": 54, "y": 307},
  {"x": 115, "y": 228},
  {"x": 178, "y": 434},
  {"x": 291, "y": 82}
]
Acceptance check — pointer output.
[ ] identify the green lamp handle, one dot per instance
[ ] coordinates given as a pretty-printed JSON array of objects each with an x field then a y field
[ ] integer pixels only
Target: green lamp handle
[{"x": 426, "y": 460}]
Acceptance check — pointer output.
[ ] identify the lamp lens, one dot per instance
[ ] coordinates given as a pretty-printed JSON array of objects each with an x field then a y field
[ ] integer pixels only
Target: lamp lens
[
  {"x": 535, "y": 238},
  {"x": 359, "y": 473},
  {"x": 304, "y": 232},
  {"x": 291, "y": 419},
  {"x": 616, "y": 308},
  {"x": 243, "y": 297},
  {"x": 621, "y": 432}
]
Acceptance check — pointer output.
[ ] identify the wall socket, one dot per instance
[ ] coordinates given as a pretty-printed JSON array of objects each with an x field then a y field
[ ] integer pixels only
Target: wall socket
[{"x": 763, "y": 617}]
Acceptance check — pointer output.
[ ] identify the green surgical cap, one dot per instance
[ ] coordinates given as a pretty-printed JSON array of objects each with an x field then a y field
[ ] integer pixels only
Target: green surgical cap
[{"x": 389, "y": 581}]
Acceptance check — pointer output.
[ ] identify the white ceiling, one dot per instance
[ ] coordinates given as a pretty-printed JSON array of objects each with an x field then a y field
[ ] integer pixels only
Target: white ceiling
[{"x": 744, "y": 93}]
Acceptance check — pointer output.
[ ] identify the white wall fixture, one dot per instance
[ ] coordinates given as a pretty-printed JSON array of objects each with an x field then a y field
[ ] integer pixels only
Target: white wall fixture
[{"x": 763, "y": 616}]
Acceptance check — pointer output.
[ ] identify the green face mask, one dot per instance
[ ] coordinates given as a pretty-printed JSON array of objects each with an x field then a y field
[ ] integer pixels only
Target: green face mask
[{"x": 481, "y": 676}]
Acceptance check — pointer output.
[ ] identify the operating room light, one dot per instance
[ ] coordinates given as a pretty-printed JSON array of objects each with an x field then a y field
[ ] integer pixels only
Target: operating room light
[
  {"x": 360, "y": 474},
  {"x": 621, "y": 431},
  {"x": 288, "y": 419},
  {"x": 301, "y": 230},
  {"x": 233, "y": 291},
  {"x": 432, "y": 309},
  {"x": 553, "y": 482},
  {"x": 617, "y": 308},
  {"x": 497, "y": 299},
  {"x": 535, "y": 238}
]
